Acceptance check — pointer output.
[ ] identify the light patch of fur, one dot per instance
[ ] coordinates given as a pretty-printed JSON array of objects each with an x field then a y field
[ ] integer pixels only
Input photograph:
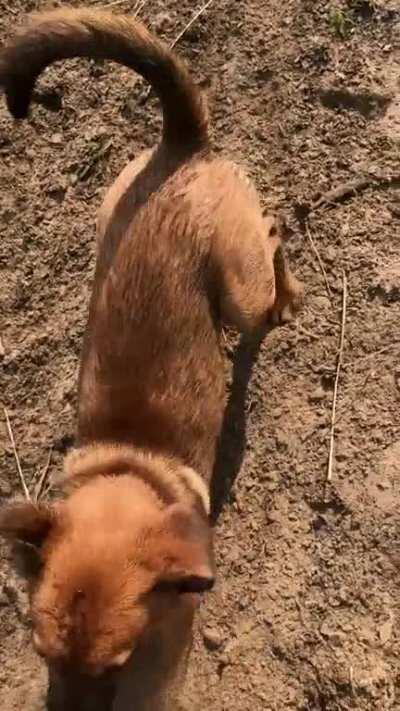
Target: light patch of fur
[
  {"x": 195, "y": 483},
  {"x": 99, "y": 459}
]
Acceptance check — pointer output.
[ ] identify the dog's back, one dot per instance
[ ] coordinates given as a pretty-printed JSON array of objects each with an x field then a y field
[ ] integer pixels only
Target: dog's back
[{"x": 152, "y": 344}]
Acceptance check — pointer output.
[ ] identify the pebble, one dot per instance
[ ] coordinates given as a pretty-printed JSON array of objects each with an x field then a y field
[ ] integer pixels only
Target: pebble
[
  {"x": 213, "y": 639},
  {"x": 162, "y": 21},
  {"x": 5, "y": 488},
  {"x": 56, "y": 139},
  {"x": 4, "y": 599},
  {"x": 317, "y": 395},
  {"x": 321, "y": 303},
  {"x": 282, "y": 439},
  {"x": 385, "y": 631}
]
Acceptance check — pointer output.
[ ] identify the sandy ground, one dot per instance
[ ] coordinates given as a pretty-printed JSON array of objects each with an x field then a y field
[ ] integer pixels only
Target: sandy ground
[{"x": 306, "y": 95}]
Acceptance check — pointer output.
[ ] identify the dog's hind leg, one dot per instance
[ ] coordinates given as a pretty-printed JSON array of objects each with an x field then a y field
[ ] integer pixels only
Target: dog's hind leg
[
  {"x": 256, "y": 282},
  {"x": 289, "y": 292}
]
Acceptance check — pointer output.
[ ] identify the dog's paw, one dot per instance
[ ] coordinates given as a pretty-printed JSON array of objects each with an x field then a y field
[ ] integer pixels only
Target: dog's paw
[{"x": 288, "y": 301}]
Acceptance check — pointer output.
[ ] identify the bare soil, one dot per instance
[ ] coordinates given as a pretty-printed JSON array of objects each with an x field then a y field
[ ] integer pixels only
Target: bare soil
[{"x": 306, "y": 94}]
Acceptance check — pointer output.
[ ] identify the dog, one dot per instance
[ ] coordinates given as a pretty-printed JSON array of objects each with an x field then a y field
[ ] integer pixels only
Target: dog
[{"x": 182, "y": 248}]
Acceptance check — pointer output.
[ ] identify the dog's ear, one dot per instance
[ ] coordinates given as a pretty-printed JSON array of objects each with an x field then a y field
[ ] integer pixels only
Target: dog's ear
[
  {"x": 26, "y": 525},
  {"x": 184, "y": 557}
]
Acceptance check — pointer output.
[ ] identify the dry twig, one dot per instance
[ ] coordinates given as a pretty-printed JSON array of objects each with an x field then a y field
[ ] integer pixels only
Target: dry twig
[
  {"x": 95, "y": 154},
  {"x": 352, "y": 187},
  {"x": 179, "y": 37},
  {"x": 300, "y": 329},
  {"x": 112, "y": 4},
  {"x": 190, "y": 23},
  {"x": 16, "y": 457},
  {"x": 139, "y": 7},
  {"x": 336, "y": 386},
  {"x": 43, "y": 477},
  {"x": 320, "y": 262}
]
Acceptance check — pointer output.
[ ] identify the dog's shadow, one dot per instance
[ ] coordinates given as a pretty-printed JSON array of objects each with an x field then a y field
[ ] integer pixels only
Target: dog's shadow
[{"x": 232, "y": 442}]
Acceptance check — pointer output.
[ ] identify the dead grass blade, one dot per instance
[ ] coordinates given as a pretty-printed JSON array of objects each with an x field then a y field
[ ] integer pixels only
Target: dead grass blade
[
  {"x": 337, "y": 378},
  {"x": 16, "y": 457},
  {"x": 320, "y": 262}
]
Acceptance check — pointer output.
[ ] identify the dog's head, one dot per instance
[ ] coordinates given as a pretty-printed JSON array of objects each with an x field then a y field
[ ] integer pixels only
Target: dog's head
[{"x": 106, "y": 566}]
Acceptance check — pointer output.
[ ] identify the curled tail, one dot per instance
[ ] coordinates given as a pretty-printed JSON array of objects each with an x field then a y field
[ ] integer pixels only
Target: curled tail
[{"x": 67, "y": 33}]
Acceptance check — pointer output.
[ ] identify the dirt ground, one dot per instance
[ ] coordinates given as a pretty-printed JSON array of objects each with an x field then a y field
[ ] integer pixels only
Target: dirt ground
[{"x": 306, "y": 94}]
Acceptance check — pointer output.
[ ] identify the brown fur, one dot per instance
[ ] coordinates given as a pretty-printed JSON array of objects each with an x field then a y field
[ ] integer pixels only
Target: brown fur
[{"x": 182, "y": 247}]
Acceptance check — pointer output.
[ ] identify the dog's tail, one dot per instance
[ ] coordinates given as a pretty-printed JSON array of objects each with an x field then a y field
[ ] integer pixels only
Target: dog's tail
[{"x": 67, "y": 33}]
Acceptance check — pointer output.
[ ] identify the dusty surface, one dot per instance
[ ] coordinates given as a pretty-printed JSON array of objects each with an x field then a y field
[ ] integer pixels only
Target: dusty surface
[{"x": 306, "y": 94}]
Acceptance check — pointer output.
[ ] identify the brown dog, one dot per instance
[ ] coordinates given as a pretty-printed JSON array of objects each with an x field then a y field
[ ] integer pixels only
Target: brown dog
[{"x": 182, "y": 247}]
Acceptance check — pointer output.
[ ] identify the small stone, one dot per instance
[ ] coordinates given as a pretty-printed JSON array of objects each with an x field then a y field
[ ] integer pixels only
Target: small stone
[
  {"x": 5, "y": 488},
  {"x": 385, "y": 631},
  {"x": 330, "y": 254},
  {"x": 321, "y": 303},
  {"x": 212, "y": 638},
  {"x": 30, "y": 153},
  {"x": 317, "y": 395},
  {"x": 4, "y": 599},
  {"x": 282, "y": 439},
  {"x": 335, "y": 636},
  {"x": 224, "y": 660},
  {"x": 56, "y": 139},
  {"x": 162, "y": 21}
]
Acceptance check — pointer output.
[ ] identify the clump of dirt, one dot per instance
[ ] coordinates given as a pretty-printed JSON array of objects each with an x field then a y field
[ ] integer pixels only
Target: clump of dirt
[{"x": 306, "y": 94}]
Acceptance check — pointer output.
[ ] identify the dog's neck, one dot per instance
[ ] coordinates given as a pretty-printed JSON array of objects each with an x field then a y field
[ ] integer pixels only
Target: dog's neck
[{"x": 172, "y": 481}]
